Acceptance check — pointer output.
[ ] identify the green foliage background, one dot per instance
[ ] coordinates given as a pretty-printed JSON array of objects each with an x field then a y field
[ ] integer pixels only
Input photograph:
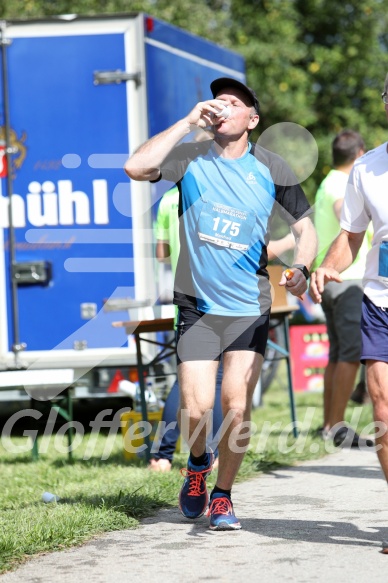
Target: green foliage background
[{"x": 317, "y": 63}]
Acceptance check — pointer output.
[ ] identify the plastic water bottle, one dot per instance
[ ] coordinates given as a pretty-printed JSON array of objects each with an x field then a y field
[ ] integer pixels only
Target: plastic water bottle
[
  {"x": 152, "y": 401},
  {"x": 127, "y": 388}
]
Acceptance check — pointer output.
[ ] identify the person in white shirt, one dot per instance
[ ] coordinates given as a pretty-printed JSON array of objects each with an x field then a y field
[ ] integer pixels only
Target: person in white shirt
[{"x": 366, "y": 200}]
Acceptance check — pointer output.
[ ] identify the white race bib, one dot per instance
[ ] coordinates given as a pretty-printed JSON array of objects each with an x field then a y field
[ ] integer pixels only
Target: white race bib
[{"x": 226, "y": 226}]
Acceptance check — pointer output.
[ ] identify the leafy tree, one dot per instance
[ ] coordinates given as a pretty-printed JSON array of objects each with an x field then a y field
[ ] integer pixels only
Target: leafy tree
[
  {"x": 266, "y": 33},
  {"x": 317, "y": 63},
  {"x": 201, "y": 17},
  {"x": 346, "y": 60}
]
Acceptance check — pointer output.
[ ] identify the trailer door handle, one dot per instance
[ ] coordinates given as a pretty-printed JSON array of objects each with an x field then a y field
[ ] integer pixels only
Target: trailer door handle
[
  {"x": 118, "y": 76},
  {"x": 32, "y": 272}
]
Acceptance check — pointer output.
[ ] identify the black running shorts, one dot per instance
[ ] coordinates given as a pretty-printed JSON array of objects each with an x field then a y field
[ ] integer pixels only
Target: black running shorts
[{"x": 202, "y": 336}]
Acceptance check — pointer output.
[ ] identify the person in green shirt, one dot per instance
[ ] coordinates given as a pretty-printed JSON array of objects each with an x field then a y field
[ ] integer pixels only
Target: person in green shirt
[{"x": 167, "y": 229}]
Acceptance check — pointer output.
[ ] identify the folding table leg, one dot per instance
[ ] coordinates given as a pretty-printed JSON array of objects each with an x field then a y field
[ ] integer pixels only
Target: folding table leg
[
  {"x": 65, "y": 409},
  {"x": 286, "y": 353},
  {"x": 35, "y": 448},
  {"x": 67, "y": 413},
  {"x": 142, "y": 395},
  {"x": 289, "y": 375}
]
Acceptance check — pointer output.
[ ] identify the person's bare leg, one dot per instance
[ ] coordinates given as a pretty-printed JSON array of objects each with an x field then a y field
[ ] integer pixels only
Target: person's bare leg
[
  {"x": 197, "y": 383},
  {"x": 377, "y": 379},
  {"x": 241, "y": 373},
  {"x": 328, "y": 393},
  {"x": 344, "y": 378}
]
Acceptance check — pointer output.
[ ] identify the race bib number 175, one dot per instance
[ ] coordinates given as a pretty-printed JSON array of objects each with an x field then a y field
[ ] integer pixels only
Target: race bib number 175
[{"x": 226, "y": 226}]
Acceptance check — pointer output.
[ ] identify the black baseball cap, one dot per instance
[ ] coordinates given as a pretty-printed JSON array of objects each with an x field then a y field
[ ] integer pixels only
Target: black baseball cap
[{"x": 218, "y": 84}]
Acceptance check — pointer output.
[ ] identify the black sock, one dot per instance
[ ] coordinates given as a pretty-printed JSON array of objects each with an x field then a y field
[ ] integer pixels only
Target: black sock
[
  {"x": 217, "y": 490},
  {"x": 202, "y": 460}
]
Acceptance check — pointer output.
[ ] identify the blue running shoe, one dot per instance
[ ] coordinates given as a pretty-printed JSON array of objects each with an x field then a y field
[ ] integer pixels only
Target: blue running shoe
[
  {"x": 221, "y": 513},
  {"x": 194, "y": 497}
]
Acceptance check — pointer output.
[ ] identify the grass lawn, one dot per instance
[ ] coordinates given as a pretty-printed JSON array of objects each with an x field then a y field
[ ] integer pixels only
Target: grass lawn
[{"x": 104, "y": 495}]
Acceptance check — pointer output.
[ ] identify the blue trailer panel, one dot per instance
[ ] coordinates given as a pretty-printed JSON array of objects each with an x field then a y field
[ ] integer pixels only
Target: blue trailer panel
[
  {"x": 67, "y": 120},
  {"x": 76, "y": 217}
]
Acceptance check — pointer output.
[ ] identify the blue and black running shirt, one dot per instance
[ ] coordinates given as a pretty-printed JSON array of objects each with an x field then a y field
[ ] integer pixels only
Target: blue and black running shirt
[{"x": 225, "y": 208}]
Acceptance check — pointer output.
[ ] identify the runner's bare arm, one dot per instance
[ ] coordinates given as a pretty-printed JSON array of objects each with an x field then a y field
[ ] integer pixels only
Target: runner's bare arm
[
  {"x": 304, "y": 254},
  {"x": 145, "y": 162},
  {"x": 340, "y": 255},
  {"x": 163, "y": 251}
]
